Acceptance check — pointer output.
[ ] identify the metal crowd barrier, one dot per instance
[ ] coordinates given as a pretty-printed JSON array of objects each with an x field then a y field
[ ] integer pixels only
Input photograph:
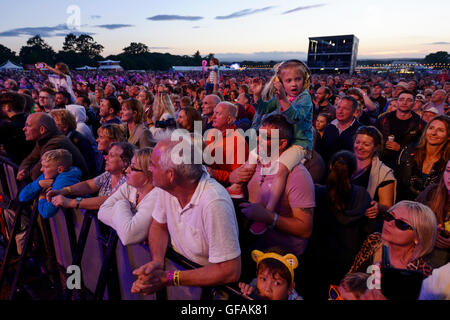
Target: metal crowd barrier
[{"x": 76, "y": 237}]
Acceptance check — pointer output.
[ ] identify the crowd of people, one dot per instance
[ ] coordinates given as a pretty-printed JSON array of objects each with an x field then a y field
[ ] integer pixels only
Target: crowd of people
[{"x": 343, "y": 166}]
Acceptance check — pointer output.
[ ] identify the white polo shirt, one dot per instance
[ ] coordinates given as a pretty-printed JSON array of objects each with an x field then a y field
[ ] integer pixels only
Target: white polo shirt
[{"x": 205, "y": 230}]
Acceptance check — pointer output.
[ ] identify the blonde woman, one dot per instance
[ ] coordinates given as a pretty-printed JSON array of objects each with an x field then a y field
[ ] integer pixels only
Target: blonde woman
[
  {"x": 163, "y": 110},
  {"x": 409, "y": 231},
  {"x": 129, "y": 210}
]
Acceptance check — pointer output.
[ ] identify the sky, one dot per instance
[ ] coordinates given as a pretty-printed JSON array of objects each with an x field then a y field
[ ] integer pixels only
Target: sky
[{"x": 234, "y": 30}]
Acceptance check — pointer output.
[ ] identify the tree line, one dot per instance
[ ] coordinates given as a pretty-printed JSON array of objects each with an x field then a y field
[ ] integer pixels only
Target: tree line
[{"x": 78, "y": 51}]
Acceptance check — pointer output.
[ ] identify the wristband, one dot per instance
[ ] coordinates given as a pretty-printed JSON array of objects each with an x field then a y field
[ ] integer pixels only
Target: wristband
[
  {"x": 170, "y": 278},
  {"x": 176, "y": 278},
  {"x": 78, "y": 200},
  {"x": 275, "y": 218},
  {"x": 69, "y": 189}
]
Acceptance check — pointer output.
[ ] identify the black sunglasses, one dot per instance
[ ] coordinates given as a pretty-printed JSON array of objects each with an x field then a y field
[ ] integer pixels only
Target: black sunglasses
[{"x": 400, "y": 224}]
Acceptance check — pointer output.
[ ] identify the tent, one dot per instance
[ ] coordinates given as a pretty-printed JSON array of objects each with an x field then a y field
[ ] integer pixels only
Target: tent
[
  {"x": 86, "y": 68},
  {"x": 9, "y": 66}
]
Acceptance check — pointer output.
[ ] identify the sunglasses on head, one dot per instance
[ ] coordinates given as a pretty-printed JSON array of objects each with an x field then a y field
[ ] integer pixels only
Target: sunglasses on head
[
  {"x": 135, "y": 169},
  {"x": 400, "y": 224},
  {"x": 333, "y": 293}
]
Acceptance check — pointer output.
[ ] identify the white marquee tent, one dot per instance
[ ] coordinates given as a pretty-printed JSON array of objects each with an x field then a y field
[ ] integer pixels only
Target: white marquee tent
[
  {"x": 87, "y": 68},
  {"x": 9, "y": 66}
]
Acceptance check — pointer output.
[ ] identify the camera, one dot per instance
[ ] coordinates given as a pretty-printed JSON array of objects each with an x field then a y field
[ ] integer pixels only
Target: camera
[{"x": 169, "y": 123}]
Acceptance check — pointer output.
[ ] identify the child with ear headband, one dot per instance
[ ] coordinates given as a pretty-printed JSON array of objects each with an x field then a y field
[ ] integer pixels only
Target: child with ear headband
[
  {"x": 292, "y": 99},
  {"x": 275, "y": 276}
]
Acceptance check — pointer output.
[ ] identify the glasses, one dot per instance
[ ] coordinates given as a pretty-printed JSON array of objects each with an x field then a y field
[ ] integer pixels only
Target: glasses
[
  {"x": 333, "y": 293},
  {"x": 135, "y": 169},
  {"x": 400, "y": 224}
]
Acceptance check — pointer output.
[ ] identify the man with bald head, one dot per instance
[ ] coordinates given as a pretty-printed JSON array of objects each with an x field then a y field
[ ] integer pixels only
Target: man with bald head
[
  {"x": 225, "y": 140},
  {"x": 208, "y": 104},
  {"x": 437, "y": 101},
  {"x": 41, "y": 129}
]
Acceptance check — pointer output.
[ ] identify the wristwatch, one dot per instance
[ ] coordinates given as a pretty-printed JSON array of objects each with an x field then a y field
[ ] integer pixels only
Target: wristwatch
[{"x": 78, "y": 199}]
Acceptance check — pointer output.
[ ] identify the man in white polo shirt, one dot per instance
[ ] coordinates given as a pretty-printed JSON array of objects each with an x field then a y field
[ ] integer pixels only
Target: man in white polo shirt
[{"x": 198, "y": 214}]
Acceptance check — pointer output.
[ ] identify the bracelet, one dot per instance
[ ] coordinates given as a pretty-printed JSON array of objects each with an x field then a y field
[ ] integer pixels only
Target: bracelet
[
  {"x": 275, "y": 218},
  {"x": 176, "y": 278},
  {"x": 170, "y": 278},
  {"x": 69, "y": 189}
]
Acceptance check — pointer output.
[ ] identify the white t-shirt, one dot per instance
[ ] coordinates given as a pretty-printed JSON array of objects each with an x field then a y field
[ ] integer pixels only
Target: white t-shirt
[
  {"x": 62, "y": 83},
  {"x": 205, "y": 230},
  {"x": 437, "y": 286}
]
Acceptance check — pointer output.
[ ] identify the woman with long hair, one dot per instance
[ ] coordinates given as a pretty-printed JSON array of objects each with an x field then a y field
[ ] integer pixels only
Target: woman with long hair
[
  {"x": 437, "y": 197},
  {"x": 339, "y": 229},
  {"x": 163, "y": 110},
  {"x": 60, "y": 78},
  {"x": 187, "y": 117},
  {"x": 132, "y": 115},
  {"x": 424, "y": 164}
]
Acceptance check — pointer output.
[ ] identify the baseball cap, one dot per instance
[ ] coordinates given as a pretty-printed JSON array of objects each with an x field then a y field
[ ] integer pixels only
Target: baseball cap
[
  {"x": 402, "y": 84},
  {"x": 432, "y": 110},
  {"x": 421, "y": 97}
]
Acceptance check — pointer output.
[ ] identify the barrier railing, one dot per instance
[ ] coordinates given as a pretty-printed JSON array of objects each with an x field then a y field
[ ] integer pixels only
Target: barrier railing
[{"x": 50, "y": 233}]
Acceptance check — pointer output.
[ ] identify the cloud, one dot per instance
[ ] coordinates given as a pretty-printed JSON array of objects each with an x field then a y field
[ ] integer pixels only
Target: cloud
[
  {"x": 304, "y": 8},
  {"x": 439, "y": 43},
  {"x": 95, "y": 16},
  {"x": 261, "y": 56},
  {"x": 60, "y": 30},
  {"x": 165, "y": 17},
  {"x": 114, "y": 26},
  {"x": 243, "y": 13}
]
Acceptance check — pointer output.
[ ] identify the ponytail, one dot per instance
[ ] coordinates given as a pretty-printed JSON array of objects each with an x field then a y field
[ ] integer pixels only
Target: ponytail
[{"x": 342, "y": 166}]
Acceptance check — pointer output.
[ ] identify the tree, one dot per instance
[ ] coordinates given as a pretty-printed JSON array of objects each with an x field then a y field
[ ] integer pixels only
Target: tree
[
  {"x": 197, "y": 58},
  {"x": 135, "y": 49},
  {"x": 86, "y": 45},
  {"x": 37, "y": 50},
  {"x": 70, "y": 43},
  {"x": 7, "y": 54},
  {"x": 437, "y": 57}
]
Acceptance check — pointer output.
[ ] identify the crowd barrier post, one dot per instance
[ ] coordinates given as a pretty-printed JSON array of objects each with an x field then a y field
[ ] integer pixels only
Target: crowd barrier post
[
  {"x": 77, "y": 253},
  {"x": 26, "y": 248},
  {"x": 17, "y": 208},
  {"x": 108, "y": 274}
]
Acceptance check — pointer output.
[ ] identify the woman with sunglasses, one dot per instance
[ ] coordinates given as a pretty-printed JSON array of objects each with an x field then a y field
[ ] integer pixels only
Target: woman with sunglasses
[
  {"x": 117, "y": 160},
  {"x": 371, "y": 173},
  {"x": 409, "y": 231},
  {"x": 423, "y": 165},
  {"x": 129, "y": 210},
  {"x": 437, "y": 197}
]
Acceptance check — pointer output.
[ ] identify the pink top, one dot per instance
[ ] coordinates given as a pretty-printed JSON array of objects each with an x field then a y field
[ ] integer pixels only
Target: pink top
[{"x": 299, "y": 193}]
